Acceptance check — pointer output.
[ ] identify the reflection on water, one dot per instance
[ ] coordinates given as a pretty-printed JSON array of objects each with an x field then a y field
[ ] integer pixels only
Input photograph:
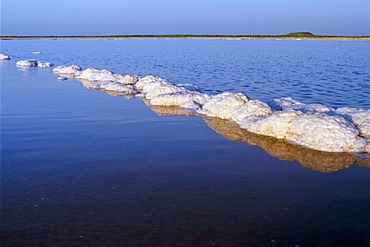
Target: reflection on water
[
  {"x": 92, "y": 85},
  {"x": 324, "y": 162},
  {"x": 170, "y": 110},
  {"x": 312, "y": 159}
]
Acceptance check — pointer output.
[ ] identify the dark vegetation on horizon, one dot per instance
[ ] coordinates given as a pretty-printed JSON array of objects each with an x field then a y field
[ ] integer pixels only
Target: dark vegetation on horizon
[
  {"x": 293, "y": 35},
  {"x": 299, "y": 34}
]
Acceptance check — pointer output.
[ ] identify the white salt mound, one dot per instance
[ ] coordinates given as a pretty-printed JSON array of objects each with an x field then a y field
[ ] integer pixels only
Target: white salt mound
[
  {"x": 33, "y": 63},
  {"x": 148, "y": 79},
  {"x": 70, "y": 70},
  {"x": 315, "y": 126},
  {"x": 276, "y": 124},
  {"x": 253, "y": 108},
  {"x": 44, "y": 65},
  {"x": 108, "y": 81},
  {"x": 27, "y": 63},
  {"x": 223, "y": 105},
  {"x": 127, "y": 79},
  {"x": 325, "y": 131},
  {"x": 359, "y": 117},
  {"x": 314, "y": 130},
  {"x": 156, "y": 88},
  {"x": 115, "y": 87},
  {"x": 92, "y": 74},
  {"x": 4, "y": 57},
  {"x": 189, "y": 100}
]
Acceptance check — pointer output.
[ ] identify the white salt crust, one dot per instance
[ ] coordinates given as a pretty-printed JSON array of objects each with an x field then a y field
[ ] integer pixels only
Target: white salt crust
[
  {"x": 223, "y": 105},
  {"x": 4, "y": 57},
  {"x": 27, "y": 63},
  {"x": 44, "y": 65},
  {"x": 73, "y": 70},
  {"x": 315, "y": 126},
  {"x": 33, "y": 63}
]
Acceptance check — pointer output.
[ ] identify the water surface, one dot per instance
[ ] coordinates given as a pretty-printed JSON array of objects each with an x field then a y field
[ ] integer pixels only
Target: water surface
[
  {"x": 335, "y": 73},
  {"x": 83, "y": 168}
]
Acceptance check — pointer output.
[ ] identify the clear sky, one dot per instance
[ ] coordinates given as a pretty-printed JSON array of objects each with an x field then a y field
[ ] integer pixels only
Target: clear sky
[{"x": 105, "y": 17}]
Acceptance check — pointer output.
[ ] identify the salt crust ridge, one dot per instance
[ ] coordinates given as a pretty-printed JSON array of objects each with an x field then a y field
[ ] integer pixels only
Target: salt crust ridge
[{"x": 315, "y": 126}]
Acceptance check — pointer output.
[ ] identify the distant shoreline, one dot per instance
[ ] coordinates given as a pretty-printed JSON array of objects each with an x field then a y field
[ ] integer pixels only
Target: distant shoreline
[{"x": 232, "y": 37}]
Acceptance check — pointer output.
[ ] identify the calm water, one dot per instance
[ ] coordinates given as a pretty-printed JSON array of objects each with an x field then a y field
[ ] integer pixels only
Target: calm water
[
  {"x": 336, "y": 73},
  {"x": 83, "y": 168}
]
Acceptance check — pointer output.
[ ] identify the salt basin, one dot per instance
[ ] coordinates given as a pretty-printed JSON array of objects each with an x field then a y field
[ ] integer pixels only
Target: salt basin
[
  {"x": 4, "y": 57},
  {"x": 315, "y": 126},
  {"x": 33, "y": 63}
]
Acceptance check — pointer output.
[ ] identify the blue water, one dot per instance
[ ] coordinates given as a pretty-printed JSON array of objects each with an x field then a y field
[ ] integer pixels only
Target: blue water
[
  {"x": 83, "y": 168},
  {"x": 336, "y": 73}
]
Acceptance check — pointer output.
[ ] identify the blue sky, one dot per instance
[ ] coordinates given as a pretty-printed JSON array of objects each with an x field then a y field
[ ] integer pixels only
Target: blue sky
[{"x": 105, "y": 17}]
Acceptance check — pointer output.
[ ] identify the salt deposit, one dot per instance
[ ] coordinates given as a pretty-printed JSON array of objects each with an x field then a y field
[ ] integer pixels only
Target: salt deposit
[
  {"x": 27, "y": 63},
  {"x": 92, "y": 74},
  {"x": 154, "y": 89},
  {"x": 4, "y": 57},
  {"x": 223, "y": 105},
  {"x": 314, "y": 130},
  {"x": 309, "y": 158},
  {"x": 188, "y": 100},
  {"x": 33, "y": 63},
  {"x": 289, "y": 103},
  {"x": 61, "y": 78},
  {"x": 74, "y": 70},
  {"x": 359, "y": 117},
  {"x": 116, "y": 87},
  {"x": 127, "y": 79},
  {"x": 253, "y": 108},
  {"x": 44, "y": 65},
  {"x": 315, "y": 126},
  {"x": 148, "y": 79}
]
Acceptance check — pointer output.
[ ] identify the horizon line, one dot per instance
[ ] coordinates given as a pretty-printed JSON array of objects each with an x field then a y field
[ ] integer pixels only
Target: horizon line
[{"x": 295, "y": 35}]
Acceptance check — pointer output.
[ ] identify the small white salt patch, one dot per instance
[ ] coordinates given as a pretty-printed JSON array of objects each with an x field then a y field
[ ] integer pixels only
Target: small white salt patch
[
  {"x": 27, "y": 63},
  {"x": 60, "y": 78},
  {"x": 44, "y": 65},
  {"x": 4, "y": 56}
]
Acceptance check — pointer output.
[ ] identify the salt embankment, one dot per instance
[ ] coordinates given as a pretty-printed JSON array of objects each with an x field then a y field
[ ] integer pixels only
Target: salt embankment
[{"x": 315, "y": 126}]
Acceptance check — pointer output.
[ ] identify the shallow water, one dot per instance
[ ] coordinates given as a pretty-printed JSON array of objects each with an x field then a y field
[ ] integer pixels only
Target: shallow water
[{"x": 82, "y": 168}]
